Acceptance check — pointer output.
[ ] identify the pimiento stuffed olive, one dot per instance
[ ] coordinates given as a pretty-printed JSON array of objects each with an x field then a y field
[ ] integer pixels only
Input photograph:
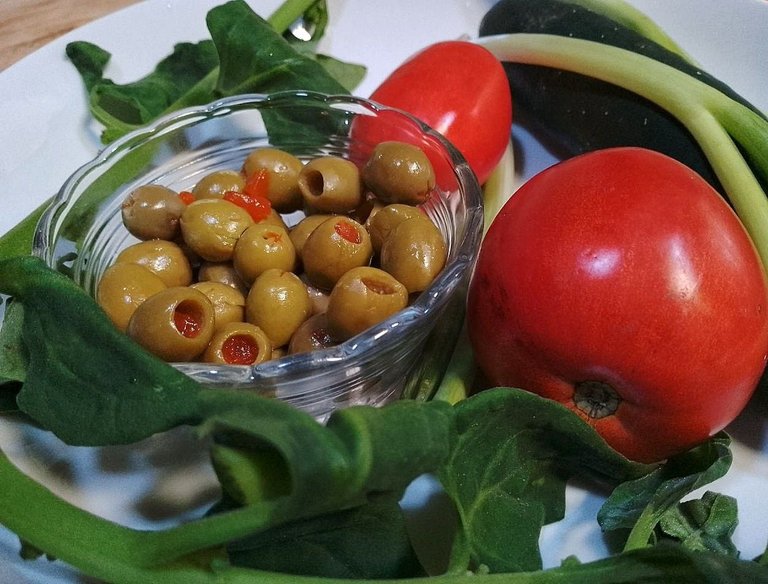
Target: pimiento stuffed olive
[
  {"x": 123, "y": 287},
  {"x": 239, "y": 343},
  {"x": 165, "y": 258},
  {"x": 384, "y": 220},
  {"x": 330, "y": 184},
  {"x": 212, "y": 227},
  {"x": 223, "y": 272},
  {"x": 278, "y": 303},
  {"x": 414, "y": 253},
  {"x": 313, "y": 334},
  {"x": 228, "y": 302},
  {"x": 261, "y": 247},
  {"x": 216, "y": 184},
  {"x": 175, "y": 324},
  {"x": 282, "y": 177},
  {"x": 335, "y": 246},
  {"x": 152, "y": 212},
  {"x": 399, "y": 173},
  {"x": 361, "y": 298},
  {"x": 258, "y": 289}
]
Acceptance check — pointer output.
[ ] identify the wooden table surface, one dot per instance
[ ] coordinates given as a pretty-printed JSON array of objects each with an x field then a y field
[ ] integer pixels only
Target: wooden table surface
[{"x": 26, "y": 25}]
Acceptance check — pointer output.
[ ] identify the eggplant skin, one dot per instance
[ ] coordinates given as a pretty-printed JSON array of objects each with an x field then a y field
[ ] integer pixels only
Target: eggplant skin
[{"x": 571, "y": 113}]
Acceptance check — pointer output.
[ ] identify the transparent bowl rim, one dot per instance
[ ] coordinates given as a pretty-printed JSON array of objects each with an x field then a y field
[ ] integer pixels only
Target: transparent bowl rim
[{"x": 347, "y": 352}]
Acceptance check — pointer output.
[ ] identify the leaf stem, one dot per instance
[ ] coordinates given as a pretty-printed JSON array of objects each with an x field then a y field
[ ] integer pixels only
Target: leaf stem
[{"x": 288, "y": 13}]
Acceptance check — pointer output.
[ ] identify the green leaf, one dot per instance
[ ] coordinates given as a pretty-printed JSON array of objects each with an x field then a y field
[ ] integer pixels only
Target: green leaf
[
  {"x": 704, "y": 524},
  {"x": 369, "y": 541},
  {"x": 122, "y": 108},
  {"x": 508, "y": 472},
  {"x": 639, "y": 504},
  {"x": 13, "y": 354},
  {"x": 348, "y": 75},
  {"x": 86, "y": 381},
  {"x": 254, "y": 57}
]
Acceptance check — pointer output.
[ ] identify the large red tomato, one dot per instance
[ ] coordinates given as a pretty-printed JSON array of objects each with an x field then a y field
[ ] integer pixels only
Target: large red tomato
[
  {"x": 620, "y": 284},
  {"x": 459, "y": 89}
]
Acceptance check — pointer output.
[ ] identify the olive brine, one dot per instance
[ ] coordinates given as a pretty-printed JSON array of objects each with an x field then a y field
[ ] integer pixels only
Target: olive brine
[{"x": 219, "y": 276}]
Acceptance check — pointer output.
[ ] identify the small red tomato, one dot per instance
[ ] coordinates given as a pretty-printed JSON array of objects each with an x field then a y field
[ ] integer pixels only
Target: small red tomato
[
  {"x": 459, "y": 89},
  {"x": 620, "y": 284}
]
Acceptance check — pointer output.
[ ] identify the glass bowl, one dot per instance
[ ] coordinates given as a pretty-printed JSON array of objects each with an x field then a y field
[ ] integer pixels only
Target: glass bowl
[{"x": 81, "y": 232}]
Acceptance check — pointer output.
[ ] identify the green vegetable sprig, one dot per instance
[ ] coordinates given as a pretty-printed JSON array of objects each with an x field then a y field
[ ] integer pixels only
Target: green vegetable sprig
[{"x": 720, "y": 124}]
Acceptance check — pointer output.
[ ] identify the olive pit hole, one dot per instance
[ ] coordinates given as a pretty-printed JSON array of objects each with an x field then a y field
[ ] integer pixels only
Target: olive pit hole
[
  {"x": 315, "y": 182},
  {"x": 378, "y": 286}
]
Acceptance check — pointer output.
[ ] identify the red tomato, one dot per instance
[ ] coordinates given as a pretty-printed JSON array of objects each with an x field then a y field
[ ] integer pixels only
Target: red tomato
[
  {"x": 459, "y": 89},
  {"x": 620, "y": 284}
]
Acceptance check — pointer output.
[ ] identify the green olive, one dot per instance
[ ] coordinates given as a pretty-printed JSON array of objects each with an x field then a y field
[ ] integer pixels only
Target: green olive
[
  {"x": 175, "y": 324},
  {"x": 414, "y": 253},
  {"x": 263, "y": 246},
  {"x": 319, "y": 299},
  {"x": 335, "y": 246},
  {"x": 398, "y": 172},
  {"x": 330, "y": 184},
  {"x": 123, "y": 287},
  {"x": 274, "y": 218},
  {"x": 223, "y": 272},
  {"x": 282, "y": 171},
  {"x": 211, "y": 228},
  {"x": 152, "y": 212},
  {"x": 239, "y": 343},
  {"x": 278, "y": 303},
  {"x": 362, "y": 298},
  {"x": 216, "y": 184},
  {"x": 228, "y": 303},
  {"x": 386, "y": 219},
  {"x": 313, "y": 334},
  {"x": 301, "y": 231},
  {"x": 165, "y": 258}
]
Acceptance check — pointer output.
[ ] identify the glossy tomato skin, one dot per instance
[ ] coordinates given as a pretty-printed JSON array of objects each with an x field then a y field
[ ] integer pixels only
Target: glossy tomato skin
[
  {"x": 623, "y": 269},
  {"x": 459, "y": 89}
]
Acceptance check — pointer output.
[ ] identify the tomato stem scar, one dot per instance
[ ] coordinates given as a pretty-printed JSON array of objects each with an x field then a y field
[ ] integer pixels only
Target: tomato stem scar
[{"x": 597, "y": 399}]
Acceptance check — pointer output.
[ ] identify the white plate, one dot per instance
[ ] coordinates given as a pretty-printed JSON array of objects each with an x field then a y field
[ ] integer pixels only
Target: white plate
[{"x": 45, "y": 133}]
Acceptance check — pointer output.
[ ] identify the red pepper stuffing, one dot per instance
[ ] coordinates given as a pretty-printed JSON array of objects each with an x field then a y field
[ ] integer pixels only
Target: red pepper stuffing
[
  {"x": 258, "y": 207},
  {"x": 187, "y": 197},
  {"x": 257, "y": 185},
  {"x": 186, "y": 323},
  {"x": 348, "y": 231},
  {"x": 240, "y": 350}
]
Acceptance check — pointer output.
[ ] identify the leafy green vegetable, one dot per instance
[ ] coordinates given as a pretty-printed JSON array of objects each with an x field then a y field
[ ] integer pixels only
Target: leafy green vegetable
[
  {"x": 366, "y": 542},
  {"x": 704, "y": 524},
  {"x": 641, "y": 504},
  {"x": 246, "y": 54},
  {"x": 537, "y": 445},
  {"x": 124, "y": 395}
]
